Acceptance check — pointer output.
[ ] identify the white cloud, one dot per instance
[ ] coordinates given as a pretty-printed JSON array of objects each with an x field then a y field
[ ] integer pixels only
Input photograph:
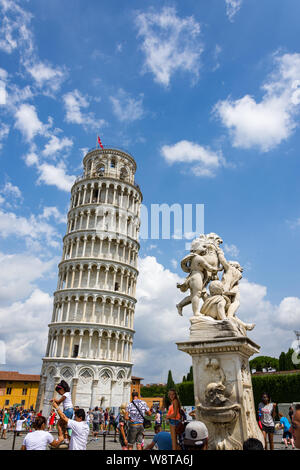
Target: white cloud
[
  {"x": 45, "y": 75},
  {"x": 52, "y": 175},
  {"x": 31, "y": 159},
  {"x": 74, "y": 101},
  {"x": 56, "y": 145},
  {"x": 15, "y": 35},
  {"x": 24, "y": 329},
  {"x": 16, "y": 95},
  {"x": 3, "y": 93},
  {"x": 4, "y": 131},
  {"x": 10, "y": 195},
  {"x": 55, "y": 176},
  {"x": 170, "y": 43},
  {"x": 232, "y": 7},
  {"x": 55, "y": 213},
  {"x": 127, "y": 108},
  {"x": 231, "y": 250},
  {"x": 267, "y": 123},
  {"x": 157, "y": 323},
  {"x": 274, "y": 324},
  {"x": 202, "y": 160},
  {"x": 217, "y": 52},
  {"x": 10, "y": 189},
  {"x": 289, "y": 312},
  {"x": 27, "y": 121},
  {"x": 31, "y": 228},
  {"x": 14, "y": 30},
  {"x": 21, "y": 272}
]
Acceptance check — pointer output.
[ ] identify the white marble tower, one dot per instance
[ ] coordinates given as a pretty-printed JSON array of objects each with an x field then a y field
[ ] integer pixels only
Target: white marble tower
[{"x": 91, "y": 330}]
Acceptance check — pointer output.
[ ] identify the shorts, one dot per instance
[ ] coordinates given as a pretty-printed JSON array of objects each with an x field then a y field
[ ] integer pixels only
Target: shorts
[
  {"x": 95, "y": 426},
  {"x": 268, "y": 429},
  {"x": 174, "y": 422},
  {"x": 135, "y": 433},
  {"x": 69, "y": 413},
  {"x": 4, "y": 426},
  {"x": 287, "y": 435}
]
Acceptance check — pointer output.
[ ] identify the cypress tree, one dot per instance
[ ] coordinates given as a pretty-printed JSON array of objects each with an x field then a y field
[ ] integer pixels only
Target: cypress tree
[
  {"x": 289, "y": 362},
  {"x": 282, "y": 361},
  {"x": 170, "y": 384}
]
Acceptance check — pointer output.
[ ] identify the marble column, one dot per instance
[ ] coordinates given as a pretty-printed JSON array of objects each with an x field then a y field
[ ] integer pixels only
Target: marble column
[{"x": 223, "y": 389}]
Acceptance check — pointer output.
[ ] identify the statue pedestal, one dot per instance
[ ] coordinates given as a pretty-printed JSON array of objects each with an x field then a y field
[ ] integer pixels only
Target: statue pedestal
[{"x": 222, "y": 386}]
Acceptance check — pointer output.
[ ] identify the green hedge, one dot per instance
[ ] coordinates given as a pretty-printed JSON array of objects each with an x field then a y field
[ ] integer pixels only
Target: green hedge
[
  {"x": 283, "y": 388},
  {"x": 154, "y": 391},
  {"x": 186, "y": 393}
]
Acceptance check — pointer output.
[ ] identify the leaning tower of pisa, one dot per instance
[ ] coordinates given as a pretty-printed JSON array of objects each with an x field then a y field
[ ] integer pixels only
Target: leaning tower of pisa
[{"x": 91, "y": 330}]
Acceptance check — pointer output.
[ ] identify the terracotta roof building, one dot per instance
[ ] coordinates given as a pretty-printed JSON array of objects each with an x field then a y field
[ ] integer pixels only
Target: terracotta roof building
[{"x": 18, "y": 389}]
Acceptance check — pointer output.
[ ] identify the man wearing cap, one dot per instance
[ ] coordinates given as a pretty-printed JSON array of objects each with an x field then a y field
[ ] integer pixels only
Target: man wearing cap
[
  {"x": 135, "y": 413},
  {"x": 195, "y": 436}
]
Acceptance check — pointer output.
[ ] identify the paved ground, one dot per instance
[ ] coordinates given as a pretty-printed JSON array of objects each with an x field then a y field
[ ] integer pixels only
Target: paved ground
[{"x": 109, "y": 442}]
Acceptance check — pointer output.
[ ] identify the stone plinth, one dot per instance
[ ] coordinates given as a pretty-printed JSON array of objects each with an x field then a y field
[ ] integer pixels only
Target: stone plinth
[{"x": 223, "y": 387}]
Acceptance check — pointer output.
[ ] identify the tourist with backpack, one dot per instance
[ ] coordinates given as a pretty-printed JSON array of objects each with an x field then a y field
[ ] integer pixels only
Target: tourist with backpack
[{"x": 135, "y": 412}]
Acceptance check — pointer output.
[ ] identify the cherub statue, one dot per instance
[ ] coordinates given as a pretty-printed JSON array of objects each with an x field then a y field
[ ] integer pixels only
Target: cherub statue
[
  {"x": 203, "y": 263},
  {"x": 199, "y": 269}
]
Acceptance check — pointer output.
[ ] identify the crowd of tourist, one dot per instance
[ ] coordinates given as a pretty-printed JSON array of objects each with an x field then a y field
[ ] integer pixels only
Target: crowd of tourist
[
  {"x": 19, "y": 419},
  {"x": 74, "y": 425}
]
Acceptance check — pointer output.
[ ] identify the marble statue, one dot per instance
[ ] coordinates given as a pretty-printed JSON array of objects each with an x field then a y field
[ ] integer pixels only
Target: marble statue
[
  {"x": 219, "y": 345},
  {"x": 221, "y": 297}
]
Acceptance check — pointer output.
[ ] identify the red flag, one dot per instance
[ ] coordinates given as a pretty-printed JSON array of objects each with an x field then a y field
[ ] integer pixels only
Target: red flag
[{"x": 99, "y": 142}]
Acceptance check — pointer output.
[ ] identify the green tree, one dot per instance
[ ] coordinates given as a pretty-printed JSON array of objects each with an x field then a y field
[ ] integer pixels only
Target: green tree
[
  {"x": 170, "y": 384},
  {"x": 189, "y": 376},
  {"x": 289, "y": 362},
  {"x": 263, "y": 362},
  {"x": 184, "y": 379},
  {"x": 282, "y": 361}
]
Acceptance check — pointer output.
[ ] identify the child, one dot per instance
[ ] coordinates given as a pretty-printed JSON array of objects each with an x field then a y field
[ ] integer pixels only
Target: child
[
  {"x": 63, "y": 389},
  {"x": 19, "y": 424},
  {"x": 123, "y": 427},
  {"x": 287, "y": 434},
  {"x": 51, "y": 420}
]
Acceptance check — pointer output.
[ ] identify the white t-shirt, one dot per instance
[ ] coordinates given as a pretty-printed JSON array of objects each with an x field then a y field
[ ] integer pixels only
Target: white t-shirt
[
  {"x": 19, "y": 424},
  {"x": 67, "y": 403},
  {"x": 80, "y": 434},
  {"x": 38, "y": 440}
]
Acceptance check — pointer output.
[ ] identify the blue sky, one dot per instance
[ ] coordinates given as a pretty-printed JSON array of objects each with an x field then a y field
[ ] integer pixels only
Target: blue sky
[{"x": 206, "y": 96}]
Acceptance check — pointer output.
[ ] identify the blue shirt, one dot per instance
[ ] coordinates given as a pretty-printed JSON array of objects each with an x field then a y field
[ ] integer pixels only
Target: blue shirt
[
  {"x": 285, "y": 423},
  {"x": 163, "y": 440}
]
